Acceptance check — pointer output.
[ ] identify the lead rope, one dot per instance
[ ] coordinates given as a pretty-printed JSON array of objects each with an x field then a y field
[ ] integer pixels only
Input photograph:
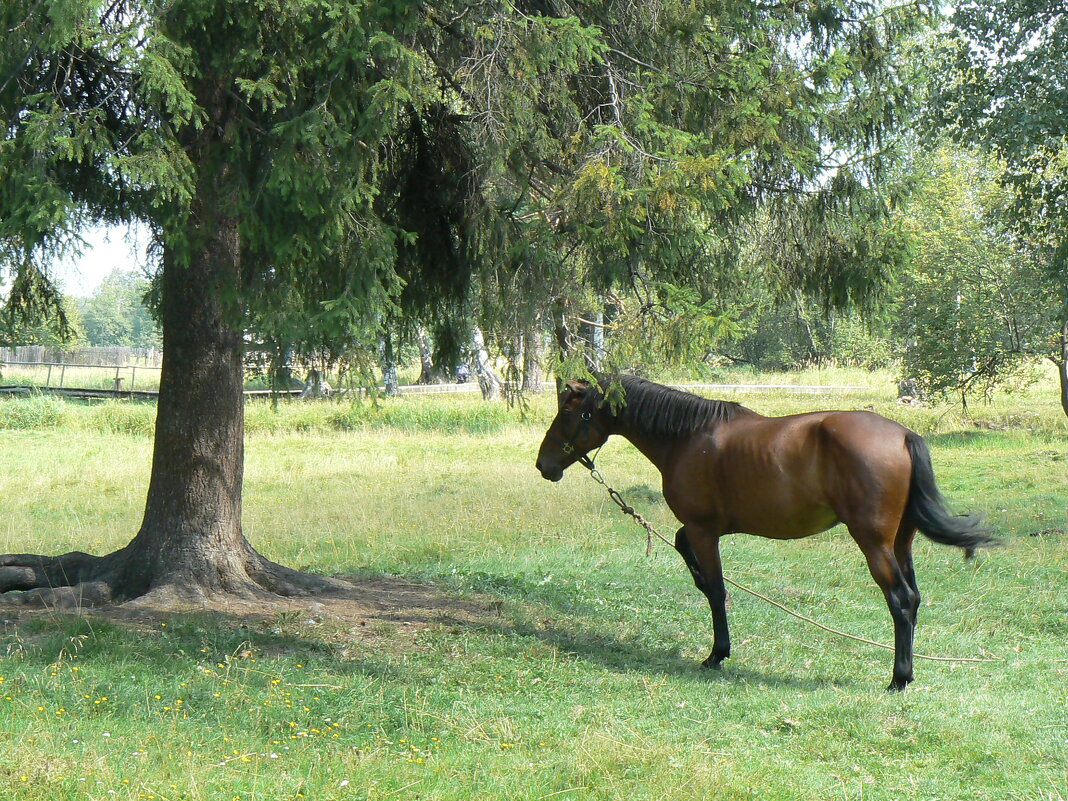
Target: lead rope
[
  {"x": 626, "y": 508},
  {"x": 650, "y": 532}
]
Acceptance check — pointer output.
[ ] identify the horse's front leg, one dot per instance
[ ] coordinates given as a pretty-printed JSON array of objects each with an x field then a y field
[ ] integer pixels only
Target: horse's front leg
[{"x": 701, "y": 554}]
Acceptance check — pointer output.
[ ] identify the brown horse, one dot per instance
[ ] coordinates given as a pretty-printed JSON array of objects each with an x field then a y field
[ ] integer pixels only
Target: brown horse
[{"x": 727, "y": 469}]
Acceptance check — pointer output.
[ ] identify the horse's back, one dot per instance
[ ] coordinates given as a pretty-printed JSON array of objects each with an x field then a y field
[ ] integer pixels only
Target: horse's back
[
  {"x": 793, "y": 476},
  {"x": 802, "y": 439}
]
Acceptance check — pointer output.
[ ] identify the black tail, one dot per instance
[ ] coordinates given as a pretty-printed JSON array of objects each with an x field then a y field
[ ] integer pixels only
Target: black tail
[{"x": 926, "y": 508}]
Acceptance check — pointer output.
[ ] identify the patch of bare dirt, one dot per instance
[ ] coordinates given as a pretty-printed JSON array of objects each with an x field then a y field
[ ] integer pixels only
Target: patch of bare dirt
[{"x": 363, "y": 610}]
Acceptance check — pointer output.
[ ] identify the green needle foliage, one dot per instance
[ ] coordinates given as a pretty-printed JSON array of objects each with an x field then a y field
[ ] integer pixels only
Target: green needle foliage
[{"x": 396, "y": 153}]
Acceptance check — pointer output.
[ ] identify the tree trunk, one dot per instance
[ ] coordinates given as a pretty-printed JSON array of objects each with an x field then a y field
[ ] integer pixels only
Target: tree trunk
[
  {"x": 190, "y": 546},
  {"x": 531, "y": 359},
  {"x": 1062, "y": 372},
  {"x": 315, "y": 385},
  {"x": 562, "y": 335},
  {"x": 428, "y": 373},
  {"x": 488, "y": 381},
  {"x": 1062, "y": 366},
  {"x": 390, "y": 382},
  {"x": 806, "y": 326},
  {"x": 191, "y": 532},
  {"x": 593, "y": 333}
]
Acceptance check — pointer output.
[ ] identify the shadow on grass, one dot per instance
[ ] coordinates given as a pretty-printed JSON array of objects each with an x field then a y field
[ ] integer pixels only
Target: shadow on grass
[
  {"x": 357, "y": 631},
  {"x": 627, "y": 656}
]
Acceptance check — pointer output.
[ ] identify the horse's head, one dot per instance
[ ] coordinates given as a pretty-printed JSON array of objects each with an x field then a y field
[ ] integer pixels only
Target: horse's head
[{"x": 578, "y": 428}]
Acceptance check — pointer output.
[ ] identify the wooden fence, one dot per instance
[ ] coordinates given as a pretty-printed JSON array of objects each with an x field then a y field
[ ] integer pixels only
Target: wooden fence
[{"x": 112, "y": 357}]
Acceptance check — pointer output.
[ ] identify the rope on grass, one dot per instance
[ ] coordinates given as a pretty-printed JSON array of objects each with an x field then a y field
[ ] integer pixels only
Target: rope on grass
[{"x": 849, "y": 636}]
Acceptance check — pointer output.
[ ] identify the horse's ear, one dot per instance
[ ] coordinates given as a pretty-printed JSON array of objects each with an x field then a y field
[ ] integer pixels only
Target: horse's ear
[
  {"x": 576, "y": 391},
  {"x": 578, "y": 386}
]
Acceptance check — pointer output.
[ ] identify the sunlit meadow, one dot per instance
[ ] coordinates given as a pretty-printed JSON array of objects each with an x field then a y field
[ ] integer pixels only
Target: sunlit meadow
[{"x": 542, "y": 655}]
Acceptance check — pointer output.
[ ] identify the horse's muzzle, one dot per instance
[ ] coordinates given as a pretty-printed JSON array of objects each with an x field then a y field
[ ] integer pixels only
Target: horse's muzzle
[{"x": 550, "y": 472}]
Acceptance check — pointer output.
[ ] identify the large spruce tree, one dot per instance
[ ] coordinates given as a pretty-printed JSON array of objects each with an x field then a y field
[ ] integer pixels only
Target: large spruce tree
[{"x": 310, "y": 168}]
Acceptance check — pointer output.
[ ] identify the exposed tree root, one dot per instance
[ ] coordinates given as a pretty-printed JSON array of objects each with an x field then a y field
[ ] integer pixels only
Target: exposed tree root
[
  {"x": 79, "y": 580},
  {"x": 281, "y": 580},
  {"x": 64, "y": 582}
]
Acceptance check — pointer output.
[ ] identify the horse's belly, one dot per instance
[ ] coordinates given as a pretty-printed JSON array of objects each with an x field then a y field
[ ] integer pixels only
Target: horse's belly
[
  {"x": 734, "y": 489},
  {"x": 776, "y": 523}
]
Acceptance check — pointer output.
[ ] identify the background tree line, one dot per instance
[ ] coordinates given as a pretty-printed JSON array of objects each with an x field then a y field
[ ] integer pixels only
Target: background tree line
[{"x": 972, "y": 308}]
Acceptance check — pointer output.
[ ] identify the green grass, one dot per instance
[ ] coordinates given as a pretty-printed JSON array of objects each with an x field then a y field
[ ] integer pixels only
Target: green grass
[
  {"x": 141, "y": 379},
  {"x": 579, "y": 678},
  {"x": 455, "y": 414}
]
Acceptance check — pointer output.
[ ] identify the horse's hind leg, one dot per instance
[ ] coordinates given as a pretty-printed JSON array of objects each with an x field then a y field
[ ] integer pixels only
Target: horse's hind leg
[
  {"x": 707, "y": 571},
  {"x": 903, "y": 552},
  {"x": 901, "y": 599}
]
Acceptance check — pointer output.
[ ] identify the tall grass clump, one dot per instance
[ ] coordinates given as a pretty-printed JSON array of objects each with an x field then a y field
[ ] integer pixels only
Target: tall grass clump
[
  {"x": 412, "y": 415},
  {"x": 261, "y": 417},
  {"x": 442, "y": 415},
  {"x": 425, "y": 414},
  {"x": 33, "y": 412},
  {"x": 40, "y": 412},
  {"x": 119, "y": 417}
]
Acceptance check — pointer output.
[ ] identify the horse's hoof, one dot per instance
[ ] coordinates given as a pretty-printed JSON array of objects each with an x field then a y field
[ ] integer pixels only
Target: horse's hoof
[
  {"x": 898, "y": 685},
  {"x": 713, "y": 663}
]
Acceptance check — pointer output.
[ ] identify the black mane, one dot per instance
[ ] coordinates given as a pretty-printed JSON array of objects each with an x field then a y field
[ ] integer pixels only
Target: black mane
[{"x": 663, "y": 411}]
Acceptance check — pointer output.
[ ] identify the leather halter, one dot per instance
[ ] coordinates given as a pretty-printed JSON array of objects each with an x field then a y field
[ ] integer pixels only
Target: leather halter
[{"x": 568, "y": 445}]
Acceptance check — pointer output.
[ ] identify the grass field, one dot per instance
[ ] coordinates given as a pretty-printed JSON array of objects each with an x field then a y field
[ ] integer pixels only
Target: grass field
[
  {"x": 139, "y": 378},
  {"x": 543, "y": 656}
]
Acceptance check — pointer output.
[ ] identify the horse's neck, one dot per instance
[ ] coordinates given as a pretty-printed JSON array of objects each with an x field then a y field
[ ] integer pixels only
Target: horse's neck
[
  {"x": 662, "y": 450},
  {"x": 657, "y": 449}
]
